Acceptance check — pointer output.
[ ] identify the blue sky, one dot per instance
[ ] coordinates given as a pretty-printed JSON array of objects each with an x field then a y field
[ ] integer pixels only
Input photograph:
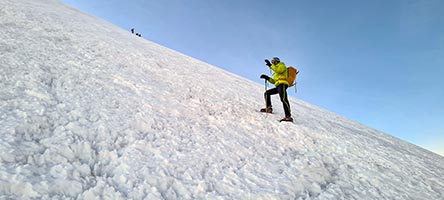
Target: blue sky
[{"x": 378, "y": 62}]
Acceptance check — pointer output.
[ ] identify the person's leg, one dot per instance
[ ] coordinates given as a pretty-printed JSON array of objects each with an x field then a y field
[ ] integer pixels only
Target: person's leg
[
  {"x": 282, "y": 89},
  {"x": 268, "y": 94}
]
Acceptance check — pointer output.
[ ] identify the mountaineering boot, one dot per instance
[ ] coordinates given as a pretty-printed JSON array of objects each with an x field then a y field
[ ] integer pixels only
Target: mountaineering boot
[
  {"x": 286, "y": 119},
  {"x": 267, "y": 110}
]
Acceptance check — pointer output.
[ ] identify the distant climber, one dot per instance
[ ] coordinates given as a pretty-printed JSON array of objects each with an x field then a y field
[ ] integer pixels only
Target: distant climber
[
  {"x": 279, "y": 80},
  {"x": 137, "y": 34}
]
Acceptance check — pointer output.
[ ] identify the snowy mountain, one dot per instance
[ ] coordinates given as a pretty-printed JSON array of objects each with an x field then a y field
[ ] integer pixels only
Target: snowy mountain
[{"x": 90, "y": 111}]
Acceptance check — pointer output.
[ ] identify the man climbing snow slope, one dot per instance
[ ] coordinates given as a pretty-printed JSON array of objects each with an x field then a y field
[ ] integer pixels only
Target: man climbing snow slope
[{"x": 279, "y": 80}]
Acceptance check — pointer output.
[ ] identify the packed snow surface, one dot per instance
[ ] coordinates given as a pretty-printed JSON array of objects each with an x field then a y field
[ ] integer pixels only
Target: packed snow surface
[{"x": 90, "y": 111}]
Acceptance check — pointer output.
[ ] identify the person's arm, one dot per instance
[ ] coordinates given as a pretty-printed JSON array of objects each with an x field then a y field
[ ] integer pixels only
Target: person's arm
[{"x": 279, "y": 68}]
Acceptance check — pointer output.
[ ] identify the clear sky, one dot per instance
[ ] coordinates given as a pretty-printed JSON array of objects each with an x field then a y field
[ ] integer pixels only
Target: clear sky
[{"x": 378, "y": 62}]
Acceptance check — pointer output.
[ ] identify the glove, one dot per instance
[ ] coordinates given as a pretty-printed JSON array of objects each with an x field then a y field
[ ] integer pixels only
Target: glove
[
  {"x": 267, "y": 62},
  {"x": 263, "y": 76}
]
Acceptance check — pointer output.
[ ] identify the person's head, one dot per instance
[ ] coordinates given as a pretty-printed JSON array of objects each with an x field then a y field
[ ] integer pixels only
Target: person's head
[{"x": 275, "y": 60}]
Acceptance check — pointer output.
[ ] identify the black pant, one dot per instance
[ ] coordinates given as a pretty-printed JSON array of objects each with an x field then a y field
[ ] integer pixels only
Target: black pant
[{"x": 282, "y": 90}]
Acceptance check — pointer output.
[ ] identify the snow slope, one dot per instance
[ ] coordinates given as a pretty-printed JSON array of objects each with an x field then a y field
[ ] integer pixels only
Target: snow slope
[{"x": 89, "y": 111}]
